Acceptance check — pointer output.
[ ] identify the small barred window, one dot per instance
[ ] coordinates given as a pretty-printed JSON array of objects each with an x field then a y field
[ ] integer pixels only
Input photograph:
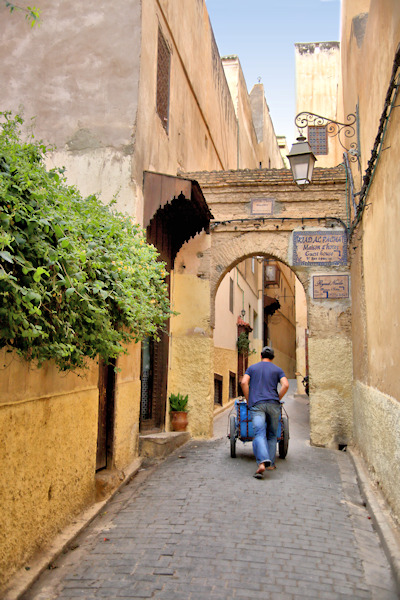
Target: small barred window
[
  {"x": 318, "y": 139},
  {"x": 163, "y": 77}
]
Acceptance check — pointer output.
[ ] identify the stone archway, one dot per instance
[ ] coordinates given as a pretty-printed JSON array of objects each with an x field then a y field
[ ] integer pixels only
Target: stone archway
[{"x": 263, "y": 212}]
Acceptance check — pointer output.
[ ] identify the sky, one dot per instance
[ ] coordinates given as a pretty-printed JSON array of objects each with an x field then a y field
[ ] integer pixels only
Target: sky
[{"x": 263, "y": 33}]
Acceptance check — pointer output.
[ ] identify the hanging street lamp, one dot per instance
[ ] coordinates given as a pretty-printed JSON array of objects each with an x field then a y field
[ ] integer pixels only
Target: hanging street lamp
[{"x": 302, "y": 161}]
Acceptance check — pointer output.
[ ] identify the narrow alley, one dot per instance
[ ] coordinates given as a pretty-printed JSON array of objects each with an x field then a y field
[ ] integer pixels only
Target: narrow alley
[{"x": 199, "y": 526}]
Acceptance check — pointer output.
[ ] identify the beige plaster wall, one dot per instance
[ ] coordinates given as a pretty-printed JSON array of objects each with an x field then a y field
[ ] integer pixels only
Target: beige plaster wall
[
  {"x": 366, "y": 27},
  {"x": 317, "y": 79},
  {"x": 377, "y": 272},
  {"x": 202, "y": 124},
  {"x": 225, "y": 332},
  {"x": 269, "y": 150},
  {"x": 48, "y": 437},
  {"x": 247, "y": 155}
]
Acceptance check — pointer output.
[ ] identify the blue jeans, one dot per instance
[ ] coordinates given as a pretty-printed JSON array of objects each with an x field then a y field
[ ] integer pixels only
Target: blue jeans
[{"x": 265, "y": 419}]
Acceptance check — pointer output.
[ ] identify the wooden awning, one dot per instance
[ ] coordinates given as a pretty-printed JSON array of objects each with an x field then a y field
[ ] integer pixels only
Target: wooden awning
[
  {"x": 271, "y": 305},
  {"x": 185, "y": 210}
]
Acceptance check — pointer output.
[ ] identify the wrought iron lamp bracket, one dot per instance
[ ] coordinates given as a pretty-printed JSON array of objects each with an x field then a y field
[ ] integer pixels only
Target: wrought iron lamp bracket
[{"x": 343, "y": 131}]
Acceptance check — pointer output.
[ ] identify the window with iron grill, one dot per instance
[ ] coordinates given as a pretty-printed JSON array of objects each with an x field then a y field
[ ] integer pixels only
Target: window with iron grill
[
  {"x": 232, "y": 384},
  {"x": 218, "y": 389},
  {"x": 163, "y": 77},
  {"x": 231, "y": 295},
  {"x": 318, "y": 139}
]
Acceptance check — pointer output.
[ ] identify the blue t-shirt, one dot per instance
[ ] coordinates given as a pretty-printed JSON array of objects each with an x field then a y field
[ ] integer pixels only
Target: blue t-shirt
[{"x": 264, "y": 379}]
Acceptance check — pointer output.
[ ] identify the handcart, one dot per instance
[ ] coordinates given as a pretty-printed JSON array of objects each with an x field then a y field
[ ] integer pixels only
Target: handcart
[{"x": 240, "y": 427}]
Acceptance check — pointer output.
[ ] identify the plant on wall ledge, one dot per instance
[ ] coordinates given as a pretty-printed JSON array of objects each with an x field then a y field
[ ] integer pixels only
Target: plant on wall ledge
[{"x": 243, "y": 344}]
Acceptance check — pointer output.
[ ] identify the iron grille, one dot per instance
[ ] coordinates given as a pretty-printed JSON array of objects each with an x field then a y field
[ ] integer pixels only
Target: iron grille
[
  {"x": 163, "y": 77},
  {"x": 218, "y": 389},
  {"x": 232, "y": 384}
]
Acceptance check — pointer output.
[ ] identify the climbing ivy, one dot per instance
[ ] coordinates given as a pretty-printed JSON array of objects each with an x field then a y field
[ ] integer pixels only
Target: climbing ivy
[{"x": 76, "y": 279}]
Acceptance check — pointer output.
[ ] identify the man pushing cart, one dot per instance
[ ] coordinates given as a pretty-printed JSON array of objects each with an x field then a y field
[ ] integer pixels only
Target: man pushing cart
[{"x": 260, "y": 388}]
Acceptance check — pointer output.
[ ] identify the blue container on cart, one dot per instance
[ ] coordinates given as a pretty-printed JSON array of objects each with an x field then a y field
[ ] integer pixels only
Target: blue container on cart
[
  {"x": 244, "y": 421},
  {"x": 244, "y": 418}
]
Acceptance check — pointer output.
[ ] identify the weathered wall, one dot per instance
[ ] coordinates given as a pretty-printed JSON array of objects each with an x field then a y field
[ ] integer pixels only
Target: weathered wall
[
  {"x": 83, "y": 94},
  {"x": 48, "y": 436},
  {"x": 366, "y": 26}
]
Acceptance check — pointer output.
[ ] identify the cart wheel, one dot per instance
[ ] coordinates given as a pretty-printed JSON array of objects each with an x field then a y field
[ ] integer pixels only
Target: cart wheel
[
  {"x": 284, "y": 443},
  {"x": 232, "y": 435}
]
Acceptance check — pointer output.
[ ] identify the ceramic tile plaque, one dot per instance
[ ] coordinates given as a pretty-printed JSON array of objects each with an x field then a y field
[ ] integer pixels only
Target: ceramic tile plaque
[
  {"x": 332, "y": 287},
  {"x": 319, "y": 248},
  {"x": 262, "y": 206}
]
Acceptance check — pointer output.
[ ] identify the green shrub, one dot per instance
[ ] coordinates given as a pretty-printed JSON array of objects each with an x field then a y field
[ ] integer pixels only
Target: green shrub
[{"x": 76, "y": 279}]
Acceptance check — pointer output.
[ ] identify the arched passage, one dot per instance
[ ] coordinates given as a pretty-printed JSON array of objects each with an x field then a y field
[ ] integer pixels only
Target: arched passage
[
  {"x": 255, "y": 305},
  {"x": 263, "y": 213}
]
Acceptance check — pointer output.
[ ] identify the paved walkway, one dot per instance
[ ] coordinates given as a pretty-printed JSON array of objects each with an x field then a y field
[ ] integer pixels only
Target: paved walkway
[{"x": 199, "y": 526}]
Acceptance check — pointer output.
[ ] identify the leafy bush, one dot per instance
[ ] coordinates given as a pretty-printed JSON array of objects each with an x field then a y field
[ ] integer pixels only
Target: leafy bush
[
  {"x": 76, "y": 280},
  {"x": 178, "y": 402}
]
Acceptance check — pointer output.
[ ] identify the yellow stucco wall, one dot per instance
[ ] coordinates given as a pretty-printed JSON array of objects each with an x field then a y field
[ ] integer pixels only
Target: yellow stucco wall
[
  {"x": 191, "y": 360},
  {"x": 48, "y": 458},
  {"x": 48, "y": 441},
  {"x": 127, "y": 408}
]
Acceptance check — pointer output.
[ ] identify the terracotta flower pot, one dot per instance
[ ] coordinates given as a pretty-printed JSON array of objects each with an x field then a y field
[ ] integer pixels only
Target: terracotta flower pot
[{"x": 179, "y": 420}]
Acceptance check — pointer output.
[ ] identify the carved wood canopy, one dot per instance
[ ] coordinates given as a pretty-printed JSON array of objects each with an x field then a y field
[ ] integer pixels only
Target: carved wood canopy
[{"x": 176, "y": 203}]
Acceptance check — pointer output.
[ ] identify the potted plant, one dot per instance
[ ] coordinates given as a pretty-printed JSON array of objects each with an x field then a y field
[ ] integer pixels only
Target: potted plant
[{"x": 178, "y": 409}]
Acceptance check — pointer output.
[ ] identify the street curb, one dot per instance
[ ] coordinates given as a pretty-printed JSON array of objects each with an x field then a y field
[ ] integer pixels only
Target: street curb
[
  {"x": 382, "y": 520},
  {"x": 23, "y": 579}
]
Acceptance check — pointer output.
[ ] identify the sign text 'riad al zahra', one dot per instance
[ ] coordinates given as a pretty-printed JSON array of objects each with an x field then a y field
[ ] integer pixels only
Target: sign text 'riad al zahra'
[{"x": 319, "y": 248}]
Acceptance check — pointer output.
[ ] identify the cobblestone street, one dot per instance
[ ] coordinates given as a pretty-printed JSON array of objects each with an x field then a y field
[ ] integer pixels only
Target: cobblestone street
[{"x": 199, "y": 526}]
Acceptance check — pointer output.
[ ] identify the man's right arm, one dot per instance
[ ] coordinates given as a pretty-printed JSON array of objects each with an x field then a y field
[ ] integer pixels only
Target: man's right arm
[
  {"x": 284, "y": 387},
  {"x": 245, "y": 383}
]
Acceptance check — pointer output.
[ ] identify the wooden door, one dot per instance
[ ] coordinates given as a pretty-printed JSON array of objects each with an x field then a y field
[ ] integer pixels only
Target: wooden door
[{"x": 106, "y": 415}]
